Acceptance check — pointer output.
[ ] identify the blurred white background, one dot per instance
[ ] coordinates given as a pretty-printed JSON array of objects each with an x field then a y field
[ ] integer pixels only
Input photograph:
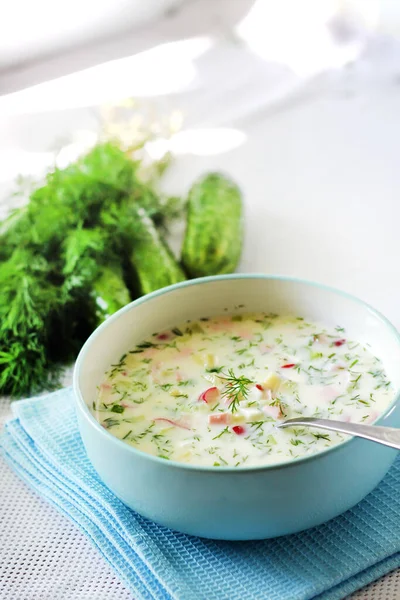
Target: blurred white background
[{"x": 43, "y": 39}]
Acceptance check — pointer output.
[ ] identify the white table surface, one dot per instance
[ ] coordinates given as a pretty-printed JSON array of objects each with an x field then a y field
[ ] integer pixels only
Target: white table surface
[{"x": 320, "y": 175}]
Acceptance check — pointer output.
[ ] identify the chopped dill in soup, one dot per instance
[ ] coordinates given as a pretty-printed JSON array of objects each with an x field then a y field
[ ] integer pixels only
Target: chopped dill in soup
[{"x": 210, "y": 392}]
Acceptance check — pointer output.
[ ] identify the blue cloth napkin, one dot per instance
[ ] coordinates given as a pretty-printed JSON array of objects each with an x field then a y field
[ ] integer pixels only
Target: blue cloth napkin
[{"x": 44, "y": 447}]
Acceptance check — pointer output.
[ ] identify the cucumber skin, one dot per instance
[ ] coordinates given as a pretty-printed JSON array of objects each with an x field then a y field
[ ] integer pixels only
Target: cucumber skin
[
  {"x": 110, "y": 292},
  {"x": 214, "y": 232},
  {"x": 152, "y": 260}
]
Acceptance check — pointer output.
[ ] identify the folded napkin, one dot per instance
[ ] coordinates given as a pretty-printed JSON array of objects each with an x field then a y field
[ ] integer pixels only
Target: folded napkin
[{"x": 44, "y": 447}]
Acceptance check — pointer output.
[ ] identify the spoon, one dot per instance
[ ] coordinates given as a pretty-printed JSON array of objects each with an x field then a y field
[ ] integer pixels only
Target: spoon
[{"x": 388, "y": 436}]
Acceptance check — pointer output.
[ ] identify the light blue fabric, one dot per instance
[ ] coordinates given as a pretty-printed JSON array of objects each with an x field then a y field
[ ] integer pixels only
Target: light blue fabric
[{"x": 329, "y": 562}]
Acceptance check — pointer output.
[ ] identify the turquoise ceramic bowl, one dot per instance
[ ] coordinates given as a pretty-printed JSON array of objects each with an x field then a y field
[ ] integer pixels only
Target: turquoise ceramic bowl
[{"x": 236, "y": 503}]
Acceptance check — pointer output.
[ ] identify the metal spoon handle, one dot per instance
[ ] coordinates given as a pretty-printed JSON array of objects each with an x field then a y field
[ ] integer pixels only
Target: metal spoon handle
[{"x": 388, "y": 436}]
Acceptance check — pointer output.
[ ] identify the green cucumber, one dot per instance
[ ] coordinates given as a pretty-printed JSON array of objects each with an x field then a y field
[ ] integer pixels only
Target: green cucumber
[
  {"x": 214, "y": 232},
  {"x": 110, "y": 291},
  {"x": 151, "y": 258}
]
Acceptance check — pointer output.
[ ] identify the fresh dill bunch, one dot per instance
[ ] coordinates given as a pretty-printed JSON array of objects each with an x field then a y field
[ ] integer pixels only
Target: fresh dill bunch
[
  {"x": 26, "y": 301},
  {"x": 70, "y": 198},
  {"x": 26, "y": 293},
  {"x": 25, "y": 367},
  {"x": 62, "y": 262},
  {"x": 236, "y": 388},
  {"x": 116, "y": 219}
]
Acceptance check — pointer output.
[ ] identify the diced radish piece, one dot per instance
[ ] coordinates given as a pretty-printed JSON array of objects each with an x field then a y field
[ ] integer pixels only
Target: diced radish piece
[
  {"x": 106, "y": 386},
  {"x": 210, "y": 396},
  {"x": 272, "y": 411},
  {"x": 238, "y": 429},
  {"x": 124, "y": 373},
  {"x": 220, "y": 419},
  {"x": 171, "y": 422},
  {"x": 164, "y": 336},
  {"x": 288, "y": 366},
  {"x": 259, "y": 387},
  {"x": 339, "y": 342},
  {"x": 178, "y": 376}
]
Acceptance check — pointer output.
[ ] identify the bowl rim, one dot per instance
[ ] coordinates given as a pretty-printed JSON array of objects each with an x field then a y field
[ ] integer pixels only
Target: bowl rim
[{"x": 79, "y": 400}]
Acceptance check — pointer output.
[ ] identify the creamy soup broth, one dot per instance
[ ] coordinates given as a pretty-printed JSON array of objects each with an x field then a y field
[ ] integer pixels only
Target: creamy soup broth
[{"x": 210, "y": 392}]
